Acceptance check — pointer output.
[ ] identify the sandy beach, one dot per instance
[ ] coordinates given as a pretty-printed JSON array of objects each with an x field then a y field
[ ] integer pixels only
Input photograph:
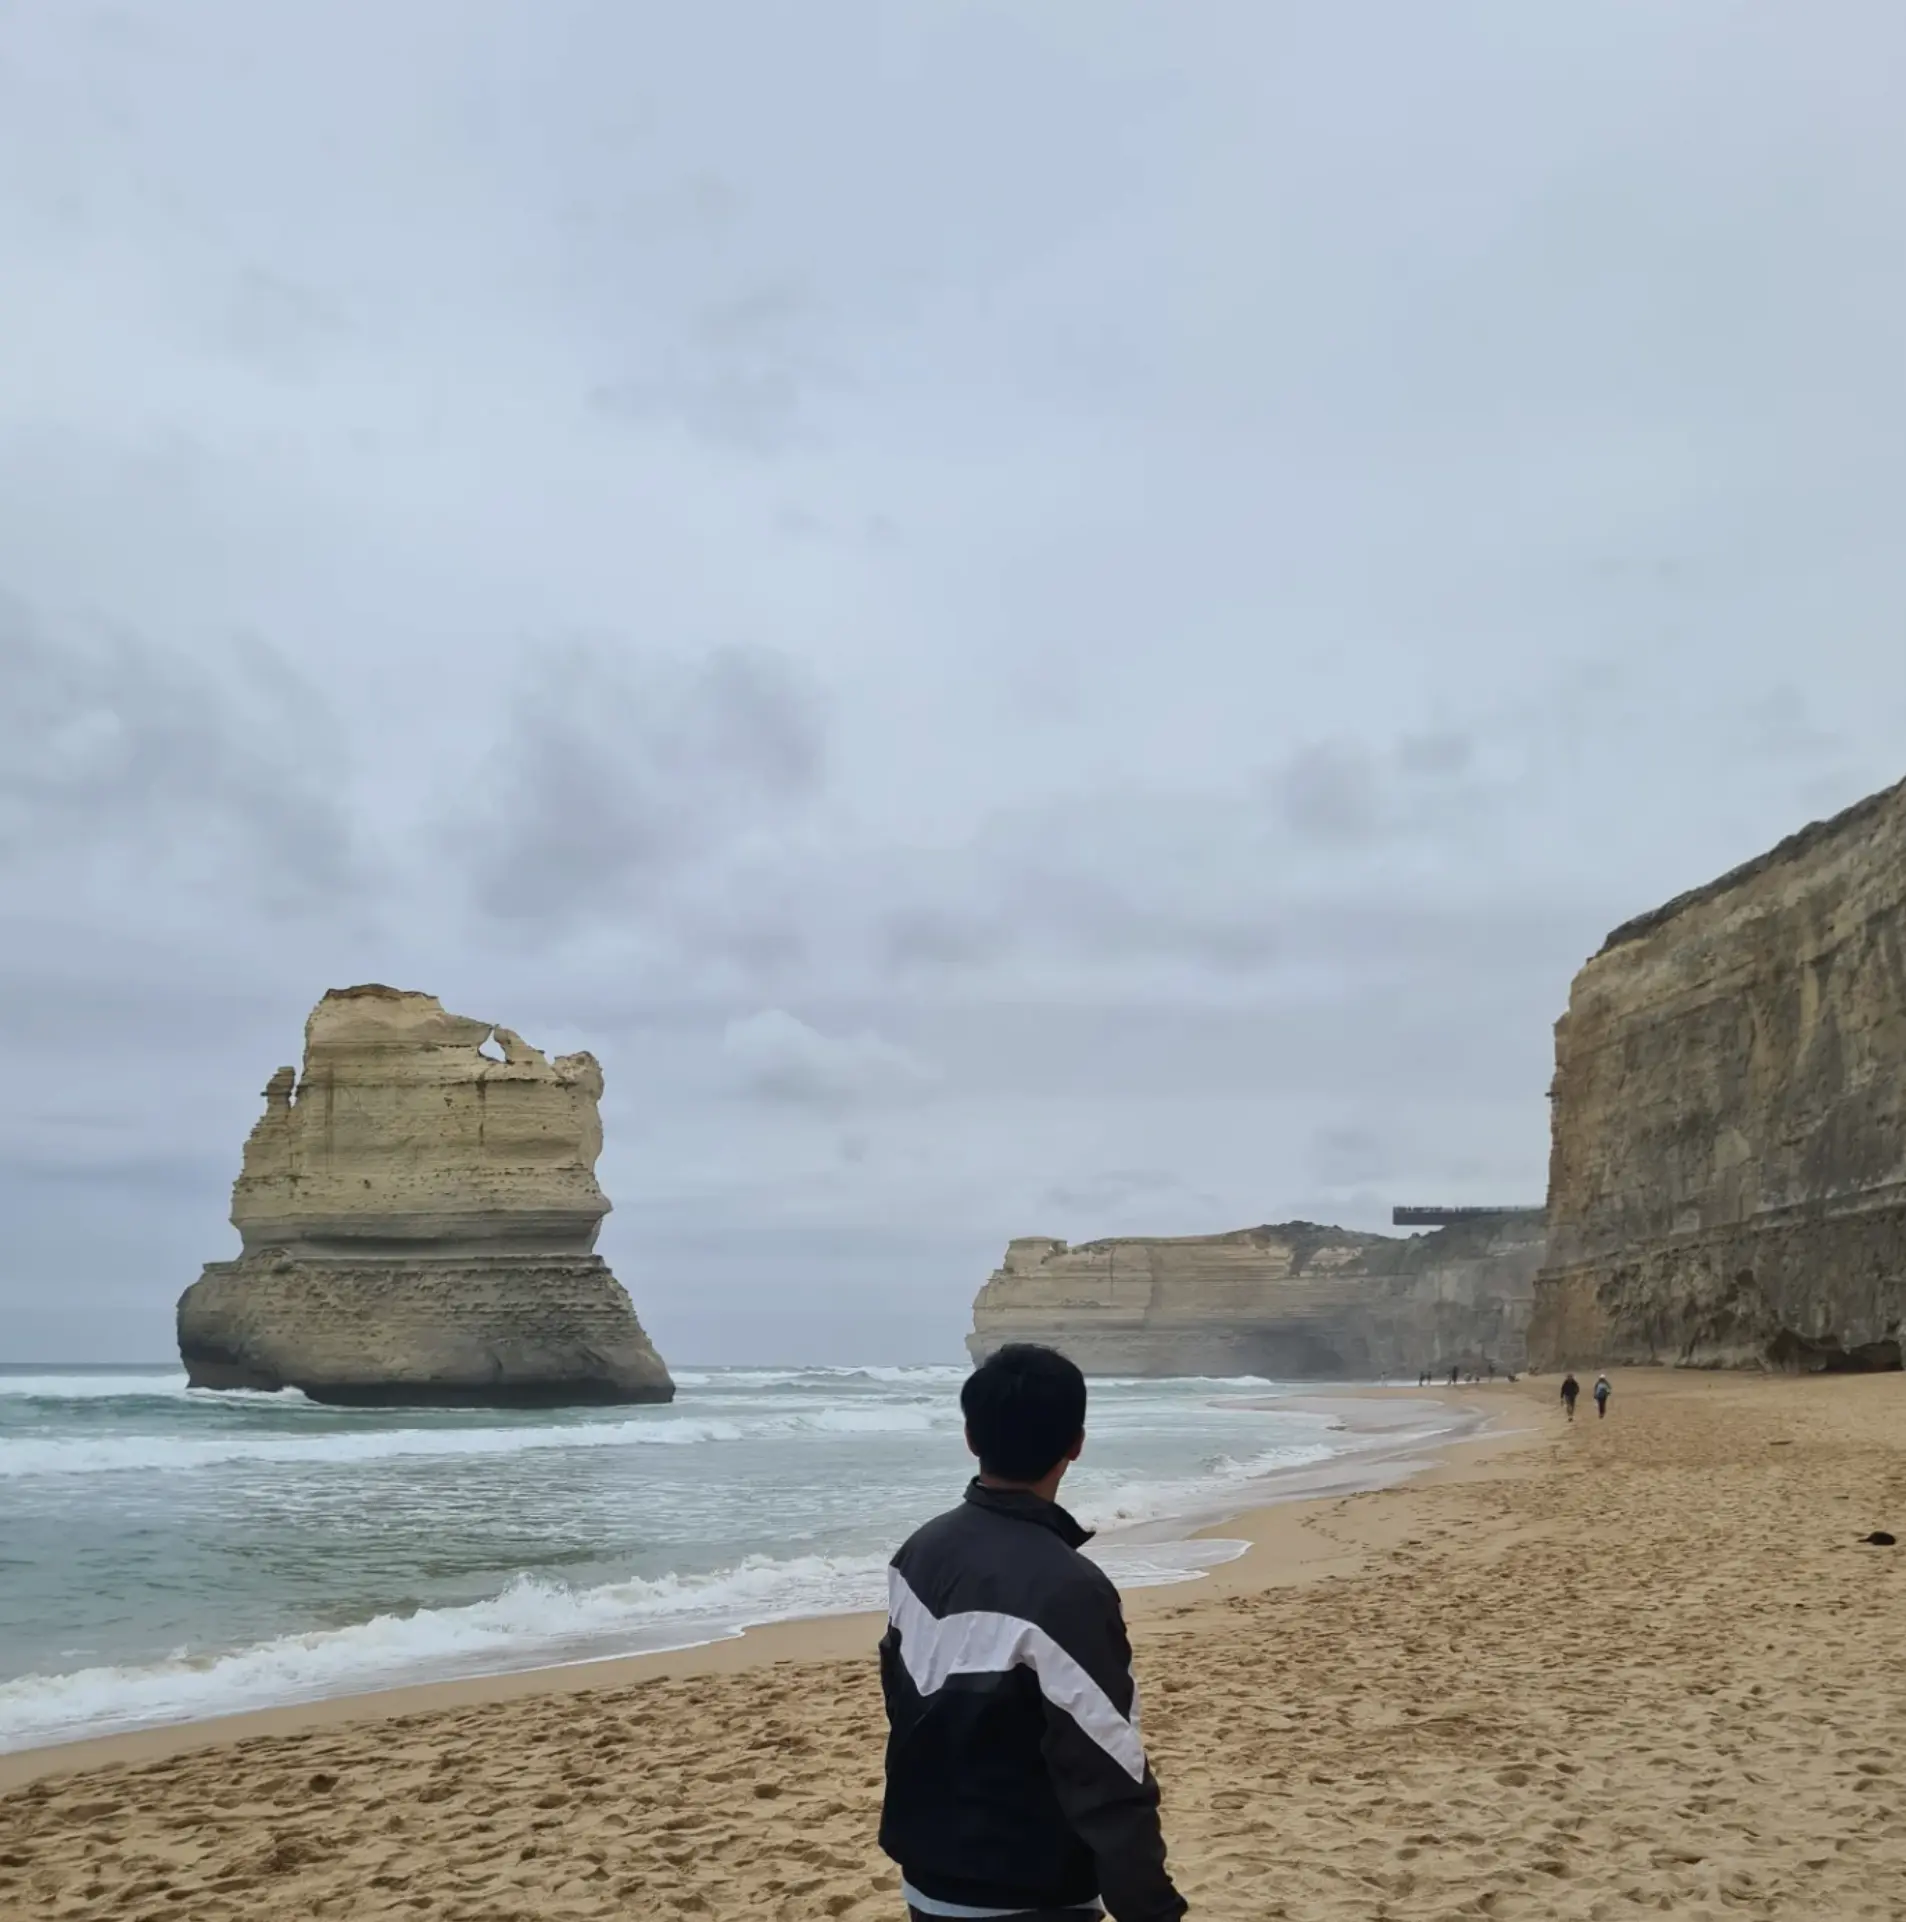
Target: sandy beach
[{"x": 1645, "y": 1665}]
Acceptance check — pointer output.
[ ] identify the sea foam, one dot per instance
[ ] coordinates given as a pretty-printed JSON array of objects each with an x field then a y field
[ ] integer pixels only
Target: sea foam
[
  {"x": 187, "y": 1554},
  {"x": 120, "y": 1454},
  {"x": 532, "y": 1623},
  {"x": 92, "y": 1455}
]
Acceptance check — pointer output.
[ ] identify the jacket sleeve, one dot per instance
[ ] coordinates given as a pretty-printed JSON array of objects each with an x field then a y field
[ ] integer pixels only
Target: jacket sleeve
[{"x": 1097, "y": 1762}]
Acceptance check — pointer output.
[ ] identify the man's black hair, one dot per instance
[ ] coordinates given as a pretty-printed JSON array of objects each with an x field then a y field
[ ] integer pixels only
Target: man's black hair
[{"x": 1024, "y": 1408}]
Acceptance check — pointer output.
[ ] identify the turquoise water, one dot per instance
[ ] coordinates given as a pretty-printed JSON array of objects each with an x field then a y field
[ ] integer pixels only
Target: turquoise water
[{"x": 169, "y": 1553}]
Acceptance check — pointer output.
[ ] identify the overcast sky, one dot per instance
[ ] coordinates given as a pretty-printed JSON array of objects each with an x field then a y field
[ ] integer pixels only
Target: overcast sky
[{"x": 1031, "y": 618}]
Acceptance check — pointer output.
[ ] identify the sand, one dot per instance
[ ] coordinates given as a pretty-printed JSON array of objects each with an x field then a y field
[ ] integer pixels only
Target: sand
[{"x": 1637, "y": 1666}]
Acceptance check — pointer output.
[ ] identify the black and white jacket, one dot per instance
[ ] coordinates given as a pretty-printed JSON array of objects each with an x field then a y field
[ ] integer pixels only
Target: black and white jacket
[{"x": 1015, "y": 1775}]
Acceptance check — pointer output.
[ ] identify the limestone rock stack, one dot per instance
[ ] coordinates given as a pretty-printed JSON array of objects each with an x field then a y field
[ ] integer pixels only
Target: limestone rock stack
[
  {"x": 1294, "y": 1301},
  {"x": 419, "y": 1219},
  {"x": 1727, "y": 1176}
]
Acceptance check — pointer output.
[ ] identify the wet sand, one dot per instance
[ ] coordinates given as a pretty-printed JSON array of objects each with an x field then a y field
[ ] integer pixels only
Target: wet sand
[{"x": 1637, "y": 1666}]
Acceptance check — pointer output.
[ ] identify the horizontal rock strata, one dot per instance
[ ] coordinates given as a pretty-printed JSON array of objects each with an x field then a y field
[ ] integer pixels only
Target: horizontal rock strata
[
  {"x": 1727, "y": 1181},
  {"x": 513, "y": 1330},
  {"x": 402, "y": 1131},
  {"x": 1292, "y": 1302},
  {"x": 418, "y": 1218}
]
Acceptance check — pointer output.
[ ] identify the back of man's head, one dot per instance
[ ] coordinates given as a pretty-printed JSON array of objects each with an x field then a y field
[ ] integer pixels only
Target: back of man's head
[{"x": 1025, "y": 1410}]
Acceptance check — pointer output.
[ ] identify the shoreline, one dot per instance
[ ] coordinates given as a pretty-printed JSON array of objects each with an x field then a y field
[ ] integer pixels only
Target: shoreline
[
  {"x": 1643, "y": 1665},
  {"x": 1253, "y": 1515}
]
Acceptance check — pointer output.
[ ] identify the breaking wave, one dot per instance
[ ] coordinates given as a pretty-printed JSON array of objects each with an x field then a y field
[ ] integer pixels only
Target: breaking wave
[
  {"x": 92, "y": 1455},
  {"x": 532, "y": 1623},
  {"x": 119, "y": 1454},
  {"x": 54, "y": 1386},
  {"x": 183, "y": 1554}
]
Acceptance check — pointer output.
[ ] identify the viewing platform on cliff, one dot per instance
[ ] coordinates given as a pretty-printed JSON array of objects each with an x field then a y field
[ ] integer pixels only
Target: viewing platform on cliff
[{"x": 1449, "y": 1217}]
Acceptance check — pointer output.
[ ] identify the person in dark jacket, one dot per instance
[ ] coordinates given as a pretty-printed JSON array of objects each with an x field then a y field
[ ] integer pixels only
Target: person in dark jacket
[{"x": 1017, "y": 1784}]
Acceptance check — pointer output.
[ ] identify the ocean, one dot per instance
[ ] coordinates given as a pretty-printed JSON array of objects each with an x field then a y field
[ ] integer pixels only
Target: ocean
[{"x": 168, "y": 1554}]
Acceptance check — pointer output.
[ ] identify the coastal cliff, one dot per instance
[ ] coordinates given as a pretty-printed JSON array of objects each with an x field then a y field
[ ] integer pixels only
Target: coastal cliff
[
  {"x": 1294, "y": 1301},
  {"x": 1727, "y": 1177},
  {"x": 419, "y": 1219}
]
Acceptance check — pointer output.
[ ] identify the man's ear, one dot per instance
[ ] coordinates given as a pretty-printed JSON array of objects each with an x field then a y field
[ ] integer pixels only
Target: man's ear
[
  {"x": 1077, "y": 1449},
  {"x": 972, "y": 1447}
]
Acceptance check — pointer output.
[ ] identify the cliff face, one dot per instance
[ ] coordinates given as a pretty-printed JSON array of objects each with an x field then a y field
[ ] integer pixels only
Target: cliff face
[
  {"x": 402, "y": 1131},
  {"x": 1727, "y": 1176},
  {"x": 1292, "y": 1302},
  {"x": 419, "y": 1219}
]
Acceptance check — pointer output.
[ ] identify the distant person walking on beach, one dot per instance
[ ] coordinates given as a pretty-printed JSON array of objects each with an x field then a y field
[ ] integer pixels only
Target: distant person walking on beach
[
  {"x": 1017, "y": 1785},
  {"x": 1602, "y": 1392},
  {"x": 1570, "y": 1389}
]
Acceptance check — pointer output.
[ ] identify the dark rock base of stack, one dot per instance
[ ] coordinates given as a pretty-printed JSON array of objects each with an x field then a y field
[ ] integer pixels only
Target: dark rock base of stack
[{"x": 476, "y": 1331}]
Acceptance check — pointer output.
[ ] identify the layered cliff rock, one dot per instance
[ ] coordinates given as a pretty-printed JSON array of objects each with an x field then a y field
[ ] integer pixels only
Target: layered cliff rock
[
  {"x": 419, "y": 1218},
  {"x": 1292, "y": 1302},
  {"x": 1727, "y": 1176}
]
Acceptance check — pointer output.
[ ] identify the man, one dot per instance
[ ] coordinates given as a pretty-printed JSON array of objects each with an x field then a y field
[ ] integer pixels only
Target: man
[
  {"x": 1602, "y": 1389},
  {"x": 1570, "y": 1389},
  {"x": 1016, "y": 1781}
]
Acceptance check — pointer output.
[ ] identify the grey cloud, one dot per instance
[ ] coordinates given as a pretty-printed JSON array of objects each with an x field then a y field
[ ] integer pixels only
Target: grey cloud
[
  {"x": 279, "y": 327},
  {"x": 119, "y": 996},
  {"x": 1202, "y": 730},
  {"x": 877, "y": 532},
  {"x": 1243, "y": 946},
  {"x": 712, "y": 198},
  {"x": 1779, "y": 724},
  {"x": 1103, "y": 883},
  {"x": 617, "y": 769},
  {"x": 1430, "y": 1037},
  {"x": 1349, "y": 1155},
  {"x": 1367, "y": 1209},
  {"x": 762, "y": 313},
  {"x": 741, "y": 374},
  {"x": 749, "y": 408},
  {"x": 1437, "y": 753},
  {"x": 1111, "y": 1194},
  {"x": 1083, "y": 913},
  {"x": 141, "y": 1174},
  {"x": 1331, "y": 794},
  {"x": 800, "y": 523},
  {"x": 1824, "y": 794},
  {"x": 760, "y": 938},
  {"x": 1074, "y": 882},
  {"x": 1079, "y": 920},
  {"x": 116, "y": 752},
  {"x": 781, "y": 1058},
  {"x": 1349, "y": 794},
  {"x": 931, "y": 937}
]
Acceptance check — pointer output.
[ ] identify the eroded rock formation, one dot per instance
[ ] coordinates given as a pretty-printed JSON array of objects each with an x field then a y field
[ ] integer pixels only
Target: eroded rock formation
[
  {"x": 1292, "y": 1302},
  {"x": 1727, "y": 1176},
  {"x": 419, "y": 1220}
]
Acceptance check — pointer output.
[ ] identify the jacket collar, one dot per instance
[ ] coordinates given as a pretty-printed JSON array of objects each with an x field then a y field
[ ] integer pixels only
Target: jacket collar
[{"x": 1022, "y": 1507}]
